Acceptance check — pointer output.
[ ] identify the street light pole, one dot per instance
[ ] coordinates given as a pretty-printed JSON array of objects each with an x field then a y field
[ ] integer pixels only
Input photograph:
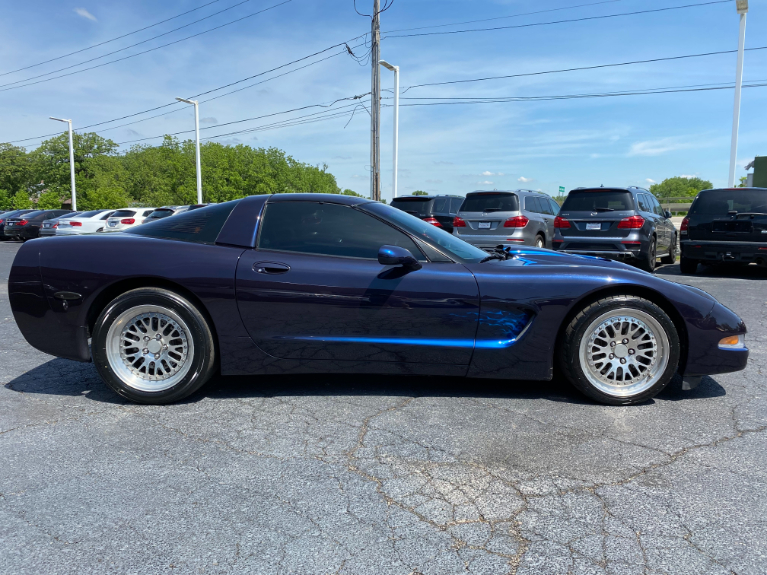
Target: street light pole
[
  {"x": 197, "y": 144},
  {"x": 742, "y": 6},
  {"x": 71, "y": 161},
  {"x": 394, "y": 69}
]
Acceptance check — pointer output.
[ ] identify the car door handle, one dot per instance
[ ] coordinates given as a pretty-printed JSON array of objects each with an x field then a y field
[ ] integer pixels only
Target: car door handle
[{"x": 271, "y": 268}]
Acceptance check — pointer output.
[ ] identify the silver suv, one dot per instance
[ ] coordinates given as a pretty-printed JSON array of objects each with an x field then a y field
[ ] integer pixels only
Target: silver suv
[{"x": 520, "y": 217}]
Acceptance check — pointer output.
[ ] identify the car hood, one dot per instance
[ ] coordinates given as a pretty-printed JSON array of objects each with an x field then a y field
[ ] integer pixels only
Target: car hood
[{"x": 579, "y": 265}]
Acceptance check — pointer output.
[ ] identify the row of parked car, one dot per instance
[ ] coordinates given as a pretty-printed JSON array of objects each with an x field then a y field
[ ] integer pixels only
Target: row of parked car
[
  {"x": 29, "y": 224},
  {"x": 627, "y": 224}
]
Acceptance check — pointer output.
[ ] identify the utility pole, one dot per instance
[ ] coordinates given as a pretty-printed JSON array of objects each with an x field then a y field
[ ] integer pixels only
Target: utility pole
[
  {"x": 394, "y": 69},
  {"x": 742, "y": 6},
  {"x": 197, "y": 144},
  {"x": 375, "y": 105}
]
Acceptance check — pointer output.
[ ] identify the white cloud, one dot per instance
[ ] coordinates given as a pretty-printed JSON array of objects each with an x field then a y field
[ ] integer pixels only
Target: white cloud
[
  {"x": 485, "y": 183},
  {"x": 688, "y": 177},
  {"x": 659, "y": 147},
  {"x": 524, "y": 180},
  {"x": 85, "y": 14},
  {"x": 486, "y": 173},
  {"x": 209, "y": 120},
  {"x": 650, "y": 181}
]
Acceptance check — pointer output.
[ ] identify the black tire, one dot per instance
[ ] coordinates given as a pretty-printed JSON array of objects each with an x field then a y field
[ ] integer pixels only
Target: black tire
[
  {"x": 540, "y": 241},
  {"x": 201, "y": 348},
  {"x": 688, "y": 265},
  {"x": 650, "y": 259},
  {"x": 571, "y": 364},
  {"x": 671, "y": 257}
]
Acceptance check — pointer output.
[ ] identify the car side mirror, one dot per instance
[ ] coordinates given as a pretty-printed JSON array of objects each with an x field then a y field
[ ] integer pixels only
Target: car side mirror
[
  {"x": 397, "y": 256},
  {"x": 667, "y": 214}
]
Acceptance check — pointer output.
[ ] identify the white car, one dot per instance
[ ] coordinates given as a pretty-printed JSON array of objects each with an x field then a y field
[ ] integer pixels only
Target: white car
[
  {"x": 82, "y": 223},
  {"x": 127, "y": 218}
]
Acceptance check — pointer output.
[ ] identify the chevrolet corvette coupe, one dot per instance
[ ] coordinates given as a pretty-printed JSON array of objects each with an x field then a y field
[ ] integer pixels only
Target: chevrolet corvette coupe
[{"x": 310, "y": 283}]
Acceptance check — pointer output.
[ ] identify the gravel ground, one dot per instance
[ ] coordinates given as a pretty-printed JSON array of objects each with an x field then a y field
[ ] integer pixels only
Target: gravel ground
[{"x": 356, "y": 475}]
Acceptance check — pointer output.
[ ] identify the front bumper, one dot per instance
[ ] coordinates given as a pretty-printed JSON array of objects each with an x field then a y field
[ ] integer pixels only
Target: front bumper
[{"x": 719, "y": 251}]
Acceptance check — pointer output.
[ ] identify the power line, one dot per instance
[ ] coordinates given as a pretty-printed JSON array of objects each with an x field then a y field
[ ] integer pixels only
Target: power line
[
  {"x": 250, "y": 119},
  {"x": 111, "y": 40},
  {"x": 12, "y": 87},
  {"x": 505, "y": 17},
  {"x": 126, "y": 47},
  {"x": 571, "y": 20},
  {"x": 211, "y": 91},
  {"x": 581, "y": 68}
]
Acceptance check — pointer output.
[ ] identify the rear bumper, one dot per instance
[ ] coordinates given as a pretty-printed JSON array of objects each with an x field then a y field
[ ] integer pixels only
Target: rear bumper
[
  {"x": 719, "y": 251},
  {"x": 521, "y": 237},
  {"x": 614, "y": 248},
  {"x": 625, "y": 255}
]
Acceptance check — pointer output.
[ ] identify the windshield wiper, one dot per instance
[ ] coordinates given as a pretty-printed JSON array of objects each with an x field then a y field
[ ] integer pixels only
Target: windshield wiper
[
  {"x": 498, "y": 253},
  {"x": 491, "y": 210}
]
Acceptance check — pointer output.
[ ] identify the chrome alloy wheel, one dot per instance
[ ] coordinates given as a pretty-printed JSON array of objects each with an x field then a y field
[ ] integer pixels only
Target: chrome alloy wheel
[
  {"x": 624, "y": 352},
  {"x": 149, "y": 347}
]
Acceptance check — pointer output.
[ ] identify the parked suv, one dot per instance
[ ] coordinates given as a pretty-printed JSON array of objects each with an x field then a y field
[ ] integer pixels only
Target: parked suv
[
  {"x": 728, "y": 226},
  {"x": 520, "y": 217},
  {"x": 617, "y": 223},
  {"x": 436, "y": 210},
  {"x": 126, "y": 218}
]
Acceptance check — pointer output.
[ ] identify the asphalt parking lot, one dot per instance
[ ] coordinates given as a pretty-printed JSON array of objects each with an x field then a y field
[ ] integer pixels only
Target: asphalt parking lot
[{"x": 357, "y": 475}]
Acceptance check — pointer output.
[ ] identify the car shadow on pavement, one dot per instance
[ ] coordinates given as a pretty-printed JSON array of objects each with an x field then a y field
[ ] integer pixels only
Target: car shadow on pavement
[
  {"x": 749, "y": 272},
  {"x": 68, "y": 378}
]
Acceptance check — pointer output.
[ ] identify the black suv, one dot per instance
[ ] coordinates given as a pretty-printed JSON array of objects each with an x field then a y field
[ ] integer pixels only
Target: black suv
[
  {"x": 726, "y": 226},
  {"x": 617, "y": 223},
  {"x": 436, "y": 210}
]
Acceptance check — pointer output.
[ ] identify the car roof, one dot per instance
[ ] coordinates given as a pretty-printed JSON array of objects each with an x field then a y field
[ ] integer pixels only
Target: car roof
[
  {"x": 324, "y": 198},
  {"x": 630, "y": 189},
  {"x": 735, "y": 190},
  {"x": 427, "y": 197}
]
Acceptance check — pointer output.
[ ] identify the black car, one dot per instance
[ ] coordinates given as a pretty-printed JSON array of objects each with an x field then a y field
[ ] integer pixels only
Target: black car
[
  {"x": 439, "y": 211},
  {"x": 725, "y": 226},
  {"x": 27, "y": 226},
  {"x": 618, "y": 223},
  {"x": 8, "y": 215}
]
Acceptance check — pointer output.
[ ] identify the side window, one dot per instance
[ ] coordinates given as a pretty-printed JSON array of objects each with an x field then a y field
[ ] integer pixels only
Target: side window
[
  {"x": 532, "y": 205},
  {"x": 545, "y": 207},
  {"x": 658, "y": 209},
  {"x": 328, "y": 229},
  {"x": 455, "y": 205},
  {"x": 554, "y": 207},
  {"x": 643, "y": 204}
]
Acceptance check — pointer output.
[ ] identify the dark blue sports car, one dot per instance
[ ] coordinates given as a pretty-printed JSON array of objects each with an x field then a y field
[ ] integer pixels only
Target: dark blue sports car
[{"x": 300, "y": 283}]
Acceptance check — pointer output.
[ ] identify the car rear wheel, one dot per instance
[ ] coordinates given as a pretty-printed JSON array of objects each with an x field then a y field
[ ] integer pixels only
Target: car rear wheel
[
  {"x": 650, "y": 260},
  {"x": 620, "y": 350},
  {"x": 671, "y": 257},
  {"x": 151, "y": 345},
  {"x": 688, "y": 265},
  {"x": 539, "y": 241}
]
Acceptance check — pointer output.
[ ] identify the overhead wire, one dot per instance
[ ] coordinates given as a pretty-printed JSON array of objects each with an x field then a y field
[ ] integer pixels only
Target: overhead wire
[
  {"x": 567, "y": 21},
  {"x": 110, "y": 40},
  {"x": 15, "y": 87}
]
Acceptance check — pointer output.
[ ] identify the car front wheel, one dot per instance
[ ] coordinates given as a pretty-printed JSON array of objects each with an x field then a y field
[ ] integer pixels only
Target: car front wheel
[
  {"x": 620, "y": 350},
  {"x": 151, "y": 345}
]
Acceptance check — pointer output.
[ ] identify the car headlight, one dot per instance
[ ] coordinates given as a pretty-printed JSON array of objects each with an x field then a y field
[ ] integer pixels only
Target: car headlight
[{"x": 733, "y": 342}]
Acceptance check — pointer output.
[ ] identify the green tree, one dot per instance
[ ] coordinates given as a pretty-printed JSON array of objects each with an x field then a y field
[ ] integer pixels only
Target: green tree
[
  {"x": 21, "y": 201},
  {"x": 419, "y": 193},
  {"x": 15, "y": 168},
  {"x": 5, "y": 200},
  {"x": 49, "y": 201},
  {"x": 680, "y": 187},
  {"x": 743, "y": 182}
]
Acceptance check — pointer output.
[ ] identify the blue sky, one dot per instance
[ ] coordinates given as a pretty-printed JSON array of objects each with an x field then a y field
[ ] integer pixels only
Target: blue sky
[{"x": 629, "y": 140}]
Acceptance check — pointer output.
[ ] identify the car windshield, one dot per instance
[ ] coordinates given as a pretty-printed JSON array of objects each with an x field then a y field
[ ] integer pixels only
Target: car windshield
[
  {"x": 161, "y": 213},
  {"x": 490, "y": 202},
  {"x": 447, "y": 243},
  {"x": 86, "y": 214},
  {"x": 124, "y": 213},
  {"x": 597, "y": 200},
  {"x": 416, "y": 206},
  {"x": 719, "y": 202}
]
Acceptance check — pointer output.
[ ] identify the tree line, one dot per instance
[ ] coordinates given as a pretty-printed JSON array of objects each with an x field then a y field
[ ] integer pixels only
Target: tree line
[{"x": 149, "y": 175}]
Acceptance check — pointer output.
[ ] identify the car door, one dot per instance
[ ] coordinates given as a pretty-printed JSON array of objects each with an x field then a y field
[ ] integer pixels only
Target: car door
[
  {"x": 647, "y": 211},
  {"x": 313, "y": 290}
]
